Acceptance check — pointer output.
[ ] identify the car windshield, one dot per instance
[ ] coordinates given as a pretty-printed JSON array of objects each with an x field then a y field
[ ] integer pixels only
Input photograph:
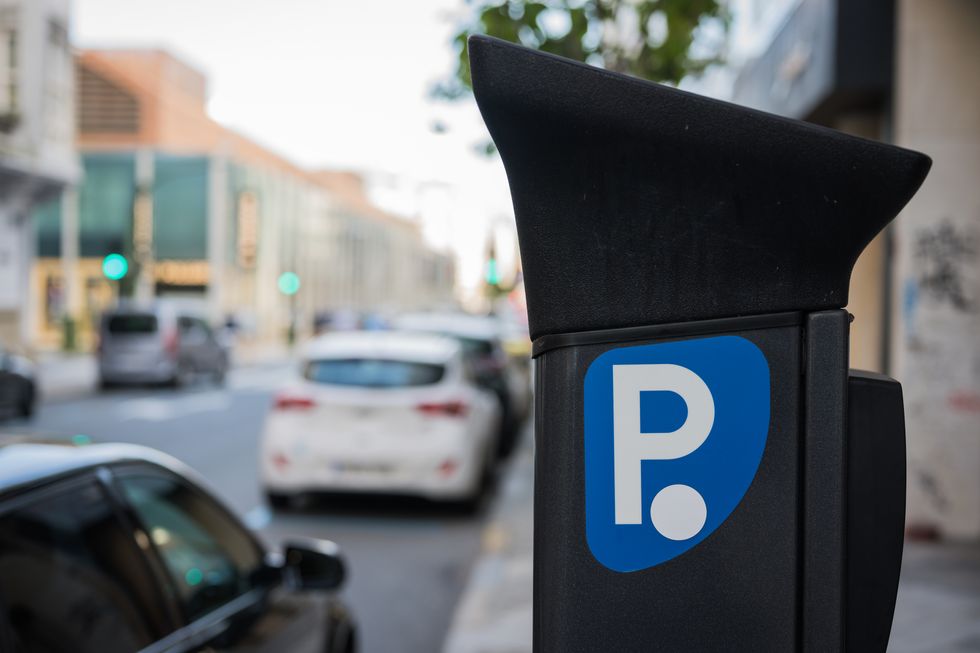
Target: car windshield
[
  {"x": 373, "y": 372},
  {"x": 132, "y": 323}
]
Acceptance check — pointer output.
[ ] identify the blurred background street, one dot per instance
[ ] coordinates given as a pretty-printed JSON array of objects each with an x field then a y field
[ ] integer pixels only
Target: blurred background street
[{"x": 274, "y": 241}]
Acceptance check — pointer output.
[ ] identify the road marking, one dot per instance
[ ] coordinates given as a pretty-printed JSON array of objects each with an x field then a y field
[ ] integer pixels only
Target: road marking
[
  {"x": 158, "y": 410},
  {"x": 260, "y": 378}
]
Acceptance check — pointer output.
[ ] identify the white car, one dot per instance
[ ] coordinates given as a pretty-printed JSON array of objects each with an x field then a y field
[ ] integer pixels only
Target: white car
[
  {"x": 381, "y": 412},
  {"x": 481, "y": 339}
]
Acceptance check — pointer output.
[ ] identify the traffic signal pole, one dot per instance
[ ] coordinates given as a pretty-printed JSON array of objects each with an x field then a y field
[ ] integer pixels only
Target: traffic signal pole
[{"x": 709, "y": 476}]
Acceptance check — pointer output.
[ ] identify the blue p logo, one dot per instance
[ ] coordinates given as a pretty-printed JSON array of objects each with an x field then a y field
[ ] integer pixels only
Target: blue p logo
[{"x": 674, "y": 434}]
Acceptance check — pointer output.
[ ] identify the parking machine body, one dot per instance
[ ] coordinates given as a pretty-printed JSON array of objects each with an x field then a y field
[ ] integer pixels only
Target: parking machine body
[{"x": 708, "y": 476}]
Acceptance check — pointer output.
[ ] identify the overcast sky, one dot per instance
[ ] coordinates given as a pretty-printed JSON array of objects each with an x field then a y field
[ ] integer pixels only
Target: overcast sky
[{"x": 340, "y": 83}]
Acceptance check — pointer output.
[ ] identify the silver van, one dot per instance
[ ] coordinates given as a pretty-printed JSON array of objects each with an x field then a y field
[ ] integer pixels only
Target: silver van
[{"x": 159, "y": 344}]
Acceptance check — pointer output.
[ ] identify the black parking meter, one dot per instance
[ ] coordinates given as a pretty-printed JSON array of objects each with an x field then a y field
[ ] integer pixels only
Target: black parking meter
[{"x": 708, "y": 476}]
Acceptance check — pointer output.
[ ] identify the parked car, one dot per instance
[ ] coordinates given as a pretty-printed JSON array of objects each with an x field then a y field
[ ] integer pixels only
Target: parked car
[
  {"x": 480, "y": 337},
  {"x": 116, "y": 549},
  {"x": 158, "y": 344},
  {"x": 18, "y": 385},
  {"x": 381, "y": 412}
]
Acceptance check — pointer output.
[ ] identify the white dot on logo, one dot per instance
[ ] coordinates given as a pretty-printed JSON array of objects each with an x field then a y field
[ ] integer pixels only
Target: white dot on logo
[{"x": 678, "y": 512}]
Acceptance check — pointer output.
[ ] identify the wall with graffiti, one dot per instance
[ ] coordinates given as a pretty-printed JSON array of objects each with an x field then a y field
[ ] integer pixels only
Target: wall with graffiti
[{"x": 936, "y": 307}]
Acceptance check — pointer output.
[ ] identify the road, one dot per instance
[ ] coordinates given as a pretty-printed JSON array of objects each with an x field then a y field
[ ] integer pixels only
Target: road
[{"x": 408, "y": 561}]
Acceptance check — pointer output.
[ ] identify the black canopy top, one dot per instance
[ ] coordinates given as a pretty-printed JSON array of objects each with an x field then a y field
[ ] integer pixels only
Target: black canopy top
[{"x": 640, "y": 204}]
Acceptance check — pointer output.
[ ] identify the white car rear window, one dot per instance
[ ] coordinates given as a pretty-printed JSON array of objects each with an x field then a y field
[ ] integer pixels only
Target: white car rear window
[{"x": 373, "y": 373}]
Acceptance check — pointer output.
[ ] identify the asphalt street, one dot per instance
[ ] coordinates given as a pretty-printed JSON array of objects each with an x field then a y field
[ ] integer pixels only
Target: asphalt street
[{"x": 408, "y": 561}]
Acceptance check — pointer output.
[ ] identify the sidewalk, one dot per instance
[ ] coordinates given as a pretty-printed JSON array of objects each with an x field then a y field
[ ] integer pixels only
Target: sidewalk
[
  {"x": 938, "y": 605},
  {"x": 494, "y": 615},
  {"x": 64, "y": 375},
  {"x": 938, "y": 608}
]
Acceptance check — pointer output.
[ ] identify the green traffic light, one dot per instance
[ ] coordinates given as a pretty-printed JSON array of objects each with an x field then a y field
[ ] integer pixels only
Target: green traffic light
[
  {"x": 115, "y": 266},
  {"x": 288, "y": 283},
  {"x": 493, "y": 275}
]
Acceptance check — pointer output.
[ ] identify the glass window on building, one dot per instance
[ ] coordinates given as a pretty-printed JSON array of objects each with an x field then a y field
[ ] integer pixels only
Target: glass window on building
[
  {"x": 58, "y": 87},
  {"x": 47, "y": 226},
  {"x": 106, "y": 204},
  {"x": 9, "y": 104},
  {"x": 180, "y": 208}
]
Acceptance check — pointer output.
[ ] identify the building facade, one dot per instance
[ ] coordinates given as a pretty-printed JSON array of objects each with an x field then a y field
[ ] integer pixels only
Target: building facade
[
  {"x": 37, "y": 156},
  {"x": 907, "y": 72},
  {"x": 202, "y": 213}
]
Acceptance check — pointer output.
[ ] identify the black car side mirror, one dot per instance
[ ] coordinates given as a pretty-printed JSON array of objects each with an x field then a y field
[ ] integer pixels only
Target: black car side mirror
[{"x": 312, "y": 564}]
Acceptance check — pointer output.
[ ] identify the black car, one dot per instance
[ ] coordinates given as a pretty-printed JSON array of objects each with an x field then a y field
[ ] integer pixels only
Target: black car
[
  {"x": 18, "y": 392},
  {"x": 113, "y": 549}
]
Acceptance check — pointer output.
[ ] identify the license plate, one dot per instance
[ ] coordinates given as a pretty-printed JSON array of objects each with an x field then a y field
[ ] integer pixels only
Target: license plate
[
  {"x": 132, "y": 362},
  {"x": 361, "y": 468}
]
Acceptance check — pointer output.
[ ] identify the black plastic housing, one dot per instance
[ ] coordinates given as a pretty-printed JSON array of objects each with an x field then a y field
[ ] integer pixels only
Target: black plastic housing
[
  {"x": 640, "y": 204},
  {"x": 646, "y": 215},
  {"x": 875, "y": 507}
]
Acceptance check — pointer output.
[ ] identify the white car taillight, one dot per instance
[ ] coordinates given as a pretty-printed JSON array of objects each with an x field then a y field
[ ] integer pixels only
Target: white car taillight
[
  {"x": 294, "y": 402},
  {"x": 454, "y": 408}
]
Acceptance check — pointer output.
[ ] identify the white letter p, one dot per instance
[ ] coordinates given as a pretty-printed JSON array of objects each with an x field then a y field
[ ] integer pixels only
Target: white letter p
[{"x": 631, "y": 446}]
